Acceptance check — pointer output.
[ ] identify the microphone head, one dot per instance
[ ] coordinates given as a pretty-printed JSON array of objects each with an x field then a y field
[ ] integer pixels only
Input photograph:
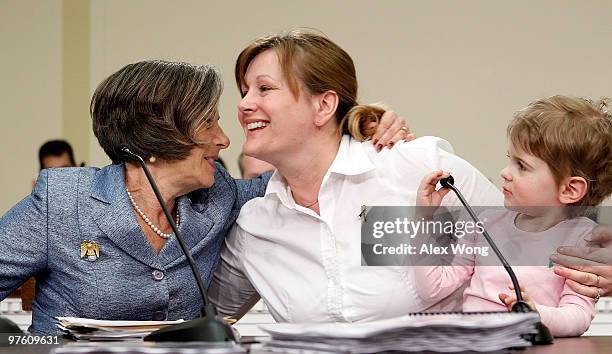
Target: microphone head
[
  {"x": 447, "y": 182},
  {"x": 125, "y": 153},
  {"x": 124, "y": 149}
]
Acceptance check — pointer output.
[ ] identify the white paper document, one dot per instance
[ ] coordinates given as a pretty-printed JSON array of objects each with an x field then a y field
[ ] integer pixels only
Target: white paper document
[
  {"x": 89, "y": 329},
  {"x": 440, "y": 332}
]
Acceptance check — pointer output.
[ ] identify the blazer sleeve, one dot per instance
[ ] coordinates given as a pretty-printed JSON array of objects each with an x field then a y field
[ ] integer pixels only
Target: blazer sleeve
[
  {"x": 23, "y": 238},
  {"x": 244, "y": 189},
  {"x": 248, "y": 189}
]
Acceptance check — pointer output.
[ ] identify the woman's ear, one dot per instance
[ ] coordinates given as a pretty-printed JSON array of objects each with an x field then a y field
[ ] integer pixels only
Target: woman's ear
[
  {"x": 325, "y": 107},
  {"x": 572, "y": 190}
]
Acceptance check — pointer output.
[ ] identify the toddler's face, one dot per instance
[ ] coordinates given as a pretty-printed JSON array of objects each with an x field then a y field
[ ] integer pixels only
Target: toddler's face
[{"x": 528, "y": 182}]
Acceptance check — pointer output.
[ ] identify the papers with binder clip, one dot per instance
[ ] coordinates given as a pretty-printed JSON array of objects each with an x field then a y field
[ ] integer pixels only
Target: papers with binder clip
[
  {"x": 88, "y": 329},
  {"x": 439, "y": 332}
]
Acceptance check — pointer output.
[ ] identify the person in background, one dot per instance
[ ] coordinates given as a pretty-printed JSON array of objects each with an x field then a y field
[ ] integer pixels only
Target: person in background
[
  {"x": 251, "y": 167},
  {"x": 56, "y": 153}
]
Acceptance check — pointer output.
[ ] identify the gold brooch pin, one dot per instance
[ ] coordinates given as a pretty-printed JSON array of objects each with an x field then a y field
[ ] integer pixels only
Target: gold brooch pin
[{"x": 90, "y": 249}]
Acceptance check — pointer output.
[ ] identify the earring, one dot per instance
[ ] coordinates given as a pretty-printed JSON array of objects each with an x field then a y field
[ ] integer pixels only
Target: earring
[{"x": 152, "y": 159}]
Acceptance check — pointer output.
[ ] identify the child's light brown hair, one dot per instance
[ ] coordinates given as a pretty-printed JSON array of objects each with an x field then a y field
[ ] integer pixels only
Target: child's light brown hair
[{"x": 573, "y": 136}]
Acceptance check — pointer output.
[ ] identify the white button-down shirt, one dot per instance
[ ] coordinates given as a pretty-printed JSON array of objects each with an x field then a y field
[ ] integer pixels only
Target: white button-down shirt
[{"x": 307, "y": 267}]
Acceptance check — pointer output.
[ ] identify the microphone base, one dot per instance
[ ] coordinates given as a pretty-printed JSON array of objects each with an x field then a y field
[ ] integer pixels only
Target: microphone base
[
  {"x": 8, "y": 327},
  {"x": 203, "y": 329},
  {"x": 543, "y": 335},
  {"x": 521, "y": 306}
]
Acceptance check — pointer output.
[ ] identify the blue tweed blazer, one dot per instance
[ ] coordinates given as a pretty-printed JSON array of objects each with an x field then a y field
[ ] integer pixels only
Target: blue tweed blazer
[{"x": 41, "y": 236}]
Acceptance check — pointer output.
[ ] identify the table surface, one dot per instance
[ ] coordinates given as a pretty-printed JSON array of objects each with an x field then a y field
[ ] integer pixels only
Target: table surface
[{"x": 560, "y": 346}]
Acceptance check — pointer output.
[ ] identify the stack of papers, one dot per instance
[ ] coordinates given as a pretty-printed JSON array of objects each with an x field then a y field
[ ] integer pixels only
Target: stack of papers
[
  {"x": 440, "y": 332},
  {"x": 88, "y": 329}
]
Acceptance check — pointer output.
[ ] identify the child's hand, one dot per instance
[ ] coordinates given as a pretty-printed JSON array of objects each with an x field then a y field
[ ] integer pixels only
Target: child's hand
[
  {"x": 510, "y": 300},
  {"x": 427, "y": 195}
]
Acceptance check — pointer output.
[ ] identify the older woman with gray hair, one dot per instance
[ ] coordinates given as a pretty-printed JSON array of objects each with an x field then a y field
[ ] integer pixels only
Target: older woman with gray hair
[{"x": 97, "y": 240}]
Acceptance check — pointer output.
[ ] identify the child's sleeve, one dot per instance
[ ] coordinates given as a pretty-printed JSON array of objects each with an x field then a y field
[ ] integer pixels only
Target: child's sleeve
[
  {"x": 572, "y": 317},
  {"x": 436, "y": 282}
]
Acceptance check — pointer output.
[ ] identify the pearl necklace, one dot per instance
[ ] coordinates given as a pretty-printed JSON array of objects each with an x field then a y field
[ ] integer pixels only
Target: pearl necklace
[{"x": 148, "y": 222}]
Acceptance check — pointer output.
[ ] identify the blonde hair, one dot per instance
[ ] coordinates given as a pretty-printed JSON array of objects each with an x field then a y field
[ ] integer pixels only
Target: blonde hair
[
  {"x": 321, "y": 65},
  {"x": 573, "y": 136}
]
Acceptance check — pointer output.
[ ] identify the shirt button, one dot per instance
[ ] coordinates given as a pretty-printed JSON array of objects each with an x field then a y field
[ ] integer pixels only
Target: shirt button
[
  {"x": 158, "y": 275},
  {"x": 159, "y": 316}
]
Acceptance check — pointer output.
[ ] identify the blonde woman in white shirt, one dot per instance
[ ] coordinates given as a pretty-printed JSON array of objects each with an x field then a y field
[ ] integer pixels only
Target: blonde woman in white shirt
[{"x": 298, "y": 247}]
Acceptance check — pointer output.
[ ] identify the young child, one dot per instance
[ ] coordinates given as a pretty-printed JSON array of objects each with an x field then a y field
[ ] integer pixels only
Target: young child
[{"x": 560, "y": 159}]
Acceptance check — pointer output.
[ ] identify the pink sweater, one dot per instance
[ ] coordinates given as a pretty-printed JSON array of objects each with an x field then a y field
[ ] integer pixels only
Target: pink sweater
[{"x": 565, "y": 312}]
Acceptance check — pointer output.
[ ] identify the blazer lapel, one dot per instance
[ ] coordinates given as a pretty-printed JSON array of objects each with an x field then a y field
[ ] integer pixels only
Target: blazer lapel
[
  {"x": 194, "y": 228},
  {"x": 116, "y": 218}
]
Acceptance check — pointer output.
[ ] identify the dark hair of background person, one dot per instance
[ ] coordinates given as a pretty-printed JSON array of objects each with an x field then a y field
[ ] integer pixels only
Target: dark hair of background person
[
  {"x": 155, "y": 108},
  {"x": 55, "y": 148}
]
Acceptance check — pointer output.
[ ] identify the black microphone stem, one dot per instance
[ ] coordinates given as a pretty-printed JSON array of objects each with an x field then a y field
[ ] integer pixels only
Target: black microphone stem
[
  {"x": 542, "y": 334},
  {"x": 206, "y": 310},
  {"x": 448, "y": 183}
]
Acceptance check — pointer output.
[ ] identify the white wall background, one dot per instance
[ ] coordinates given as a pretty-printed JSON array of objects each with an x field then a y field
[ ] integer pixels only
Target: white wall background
[
  {"x": 30, "y": 90},
  {"x": 456, "y": 69}
]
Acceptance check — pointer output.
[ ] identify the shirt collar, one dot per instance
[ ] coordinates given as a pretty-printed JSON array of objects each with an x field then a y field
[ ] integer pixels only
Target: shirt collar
[{"x": 352, "y": 159}]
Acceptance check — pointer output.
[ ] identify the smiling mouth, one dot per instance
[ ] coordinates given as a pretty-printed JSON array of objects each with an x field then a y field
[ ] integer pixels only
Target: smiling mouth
[
  {"x": 257, "y": 125},
  {"x": 506, "y": 191}
]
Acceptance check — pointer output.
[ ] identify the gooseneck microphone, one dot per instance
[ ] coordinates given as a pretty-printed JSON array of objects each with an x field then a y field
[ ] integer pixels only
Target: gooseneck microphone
[
  {"x": 207, "y": 328},
  {"x": 543, "y": 336}
]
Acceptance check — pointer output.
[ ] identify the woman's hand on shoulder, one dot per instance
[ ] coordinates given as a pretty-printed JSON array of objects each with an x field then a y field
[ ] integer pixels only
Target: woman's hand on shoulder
[
  {"x": 588, "y": 269},
  {"x": 391, "y": 129}
]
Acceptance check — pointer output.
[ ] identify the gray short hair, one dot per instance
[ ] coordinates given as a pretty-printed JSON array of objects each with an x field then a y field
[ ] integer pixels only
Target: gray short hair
[{"x": 155, "y": 108}]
